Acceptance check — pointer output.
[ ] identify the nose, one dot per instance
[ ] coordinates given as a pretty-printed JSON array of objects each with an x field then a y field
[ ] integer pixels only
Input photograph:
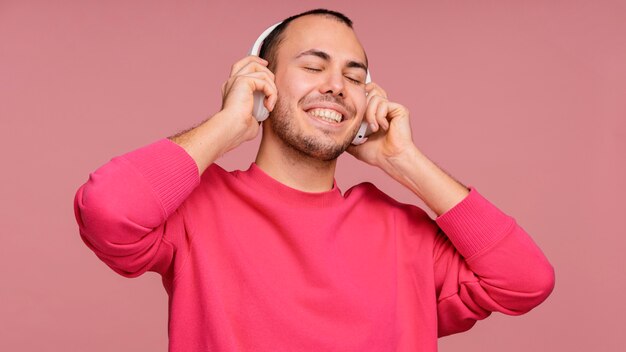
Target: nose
[{"x": 334, "y": 83}]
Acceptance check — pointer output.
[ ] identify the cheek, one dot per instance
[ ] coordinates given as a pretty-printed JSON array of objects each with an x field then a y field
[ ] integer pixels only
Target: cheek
[
  {"x": 360, "y": 102},
  {"x": 289, "y": 93},
  {"x": 291, "y": 86}
]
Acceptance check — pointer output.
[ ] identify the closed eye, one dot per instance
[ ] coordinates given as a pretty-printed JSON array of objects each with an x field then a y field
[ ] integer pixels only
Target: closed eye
[
  {"x": 354, "y": 80},
  {"x": 314, "y": 69}
]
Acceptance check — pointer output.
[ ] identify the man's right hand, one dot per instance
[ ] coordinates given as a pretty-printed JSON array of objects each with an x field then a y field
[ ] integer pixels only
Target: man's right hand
[
  {"x": 247, "y": 76},
  {"x": 234, "y": 123}
]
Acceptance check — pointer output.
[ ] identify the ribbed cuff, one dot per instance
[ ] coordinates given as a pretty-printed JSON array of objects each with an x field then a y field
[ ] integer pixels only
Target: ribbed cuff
[
  {"x": 474, "y": 224},
  {"x": 168, "y": 169}
]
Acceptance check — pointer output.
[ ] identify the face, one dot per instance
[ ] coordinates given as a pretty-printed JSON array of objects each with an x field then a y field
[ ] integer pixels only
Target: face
[{"x": 320, "y": 76}]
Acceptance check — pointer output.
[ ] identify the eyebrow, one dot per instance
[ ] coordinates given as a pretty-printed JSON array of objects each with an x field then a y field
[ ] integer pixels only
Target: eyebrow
[{"x": 324, "y": 56}]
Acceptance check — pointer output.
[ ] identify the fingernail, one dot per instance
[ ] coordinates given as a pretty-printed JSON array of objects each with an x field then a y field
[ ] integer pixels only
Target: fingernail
[{"x": 373, "y": 127}]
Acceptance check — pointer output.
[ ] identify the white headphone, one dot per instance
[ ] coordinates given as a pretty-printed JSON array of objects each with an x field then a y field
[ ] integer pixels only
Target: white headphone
[{"x": 261, "y": 113}]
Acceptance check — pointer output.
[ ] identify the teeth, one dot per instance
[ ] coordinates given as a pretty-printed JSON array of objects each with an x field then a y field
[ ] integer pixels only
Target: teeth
[{"x": 326, "y": 114}]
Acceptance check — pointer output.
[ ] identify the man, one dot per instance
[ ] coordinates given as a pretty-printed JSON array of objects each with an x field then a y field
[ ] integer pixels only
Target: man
[{"x": 276, "y": 258}]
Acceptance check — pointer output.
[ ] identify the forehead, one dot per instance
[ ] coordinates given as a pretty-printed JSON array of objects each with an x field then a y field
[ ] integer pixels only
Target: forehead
[{"x": 324, "y": 33}]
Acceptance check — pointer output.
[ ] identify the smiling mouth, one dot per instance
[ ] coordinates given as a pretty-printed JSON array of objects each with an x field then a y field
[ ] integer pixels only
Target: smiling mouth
[{"x": 328, "y": 115}]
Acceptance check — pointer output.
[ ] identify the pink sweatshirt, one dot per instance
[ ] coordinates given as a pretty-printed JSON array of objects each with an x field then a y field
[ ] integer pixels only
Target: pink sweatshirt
[{"x": 253, "y": 265}]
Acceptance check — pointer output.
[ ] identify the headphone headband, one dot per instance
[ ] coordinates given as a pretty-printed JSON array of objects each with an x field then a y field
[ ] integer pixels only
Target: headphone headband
[{"x": 256, "y": 47}]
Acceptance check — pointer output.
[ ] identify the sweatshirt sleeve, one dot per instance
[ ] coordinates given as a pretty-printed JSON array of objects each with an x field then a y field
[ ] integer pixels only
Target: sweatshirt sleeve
[
  {"x": 485, "y": 262},
  {"x": 127, "y": 211}
]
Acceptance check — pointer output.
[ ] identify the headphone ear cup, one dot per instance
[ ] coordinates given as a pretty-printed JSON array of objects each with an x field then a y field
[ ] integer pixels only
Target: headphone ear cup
[{"x": 361, "y": 135}]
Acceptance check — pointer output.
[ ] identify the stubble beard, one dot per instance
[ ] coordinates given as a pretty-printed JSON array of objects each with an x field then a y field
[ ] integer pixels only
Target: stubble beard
[{"x": 283, "y": 124}]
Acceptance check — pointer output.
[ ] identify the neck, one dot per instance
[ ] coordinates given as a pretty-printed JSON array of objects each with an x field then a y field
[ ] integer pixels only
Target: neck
[{"x": 293, "y": 168}]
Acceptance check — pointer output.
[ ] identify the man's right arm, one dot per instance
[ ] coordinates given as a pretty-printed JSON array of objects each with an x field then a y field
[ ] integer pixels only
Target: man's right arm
[
  {"x": 123, "y": 208},
  {"x": 234, "y": 124}
]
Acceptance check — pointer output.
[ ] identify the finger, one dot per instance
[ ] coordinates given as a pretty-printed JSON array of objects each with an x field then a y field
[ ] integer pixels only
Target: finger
[
  {"x": 262, "y": 74},
  {"x": 396, "y": 110},
  {"x": 242, "y": 87},
  {"x": 246, "y": 60},
  {"x": 262, "y": 83},
  {"x": 371, "y": 111},
  {"x": 271, "y": 94},
  {"x": 376, "y": 93},
  {"x": 258, "y": 74},
  {"x": 370, "y": 114},
  {"x": 251, "y": 67},
  {"x": 381, "y": 114},
  {"x": 374, "y": 89}
]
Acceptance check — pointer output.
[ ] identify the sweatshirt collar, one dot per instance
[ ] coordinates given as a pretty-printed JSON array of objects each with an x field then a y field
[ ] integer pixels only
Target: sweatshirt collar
[{"x": 259, "y": 179}]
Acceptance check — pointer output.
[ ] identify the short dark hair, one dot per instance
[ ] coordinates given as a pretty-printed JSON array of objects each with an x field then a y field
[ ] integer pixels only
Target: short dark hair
[{"x": 271, "y": 42}]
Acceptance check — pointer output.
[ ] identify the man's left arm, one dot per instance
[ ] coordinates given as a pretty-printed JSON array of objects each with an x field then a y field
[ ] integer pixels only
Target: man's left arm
[
  {"x": 391, "y": 148},
  {"x": 510, "y": 272}
]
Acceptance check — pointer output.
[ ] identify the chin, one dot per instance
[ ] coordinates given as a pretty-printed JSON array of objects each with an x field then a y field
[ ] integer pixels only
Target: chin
[
  {"x": 308, "y": 136},
  {"x": 315, "y": 144}
]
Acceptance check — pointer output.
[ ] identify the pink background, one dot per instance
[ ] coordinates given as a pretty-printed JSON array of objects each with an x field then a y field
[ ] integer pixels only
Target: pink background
[{"x": 526, "y": 100}]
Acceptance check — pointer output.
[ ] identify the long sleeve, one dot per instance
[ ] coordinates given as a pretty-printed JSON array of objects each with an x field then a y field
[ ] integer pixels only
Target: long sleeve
[
  {"x": 484, "y": 262},
  {"x": 127, "y": 210}
]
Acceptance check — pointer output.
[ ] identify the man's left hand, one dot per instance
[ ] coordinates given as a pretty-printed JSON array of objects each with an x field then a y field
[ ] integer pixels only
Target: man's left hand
[
  {"x": 391, "y": 148},
  {"x": 391, "y": 137}
]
